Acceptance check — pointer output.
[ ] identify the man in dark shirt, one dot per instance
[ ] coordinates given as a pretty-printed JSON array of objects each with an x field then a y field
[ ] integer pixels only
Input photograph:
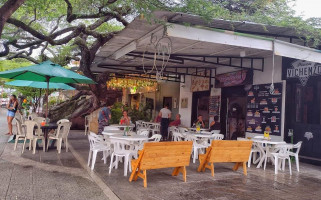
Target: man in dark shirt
[
  {"x": 215, "y": 125},
  {"x": 104, "y": 118}
]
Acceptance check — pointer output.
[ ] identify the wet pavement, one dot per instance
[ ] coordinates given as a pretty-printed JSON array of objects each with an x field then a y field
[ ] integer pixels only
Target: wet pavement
[
  {"x": 227, "y": 184},
  {"x": 44, "y": 175},
  {"x": 66, "y": 176}
]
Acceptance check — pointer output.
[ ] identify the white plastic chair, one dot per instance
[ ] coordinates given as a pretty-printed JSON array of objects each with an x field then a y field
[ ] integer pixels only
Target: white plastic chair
[
  {"x": 171, "y": 130},
  {"x": 63, "y": 121},
  {"x": 155, "y": 129},
  {"x": 282, "y": 155},
  {"x": 155, "y": 138},
  {"x": 30, "y": 125},
  {"x": 259, "y": 137},
  {"x": 139, "y": 124},
  {"x": 61, "y": 135},
  {"x": 39, "y": 120},
  {"x": 20, "y": 133},
  {"x": 177, "y": 136},
  {"x": 143, "y": 132},
  {"x": 196, "y": 146},
  {"x": 182, "y": 129},
  {"x": 97, "y": 144},
  {"x": 254, "y": 151},
  {"x": 32, "y": 116},
  {"x": 120, "y": 151},
  {"x": 215, "y": 132},
  {"x": 295, "y": 153}
]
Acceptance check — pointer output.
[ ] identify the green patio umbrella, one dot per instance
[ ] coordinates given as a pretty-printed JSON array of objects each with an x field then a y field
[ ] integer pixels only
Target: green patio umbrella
[
  {"x": 46, "y": 72},
  {"x": 40, "y": 85}
]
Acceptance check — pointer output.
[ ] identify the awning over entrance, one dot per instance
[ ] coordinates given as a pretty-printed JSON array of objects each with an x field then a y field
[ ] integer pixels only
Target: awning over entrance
[{"x": 197, "y": 47}]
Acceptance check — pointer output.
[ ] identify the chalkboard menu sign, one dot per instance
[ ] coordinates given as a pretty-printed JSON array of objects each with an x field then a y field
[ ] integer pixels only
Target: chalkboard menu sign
[
  {"x": 214, "y": 106},
  {"x": 264, "y": 109}
]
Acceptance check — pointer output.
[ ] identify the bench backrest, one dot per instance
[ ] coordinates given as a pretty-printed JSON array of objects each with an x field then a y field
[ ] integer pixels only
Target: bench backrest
[
  {"x": 157, "y": 155},
  {"x": 230, "y": 151}
]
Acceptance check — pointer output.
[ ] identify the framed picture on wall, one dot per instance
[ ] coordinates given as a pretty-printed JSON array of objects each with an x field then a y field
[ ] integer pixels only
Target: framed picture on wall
[
  {"x": 184, "y": 102},
  {"x": 175, "y": 103}
]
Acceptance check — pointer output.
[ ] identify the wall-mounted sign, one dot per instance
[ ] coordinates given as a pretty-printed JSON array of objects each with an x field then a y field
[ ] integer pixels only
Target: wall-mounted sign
[
  {"x": 264, "y": 109},
  {"x": 200, "y": 84},
  {"x": 214, "y": 106},
  {"x": 300, "y": 69},
  {"x": 242, "y": 77}
]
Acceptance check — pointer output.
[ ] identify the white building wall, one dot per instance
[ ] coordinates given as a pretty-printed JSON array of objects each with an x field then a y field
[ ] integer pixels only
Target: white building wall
[{"x": 185, "y": 92}]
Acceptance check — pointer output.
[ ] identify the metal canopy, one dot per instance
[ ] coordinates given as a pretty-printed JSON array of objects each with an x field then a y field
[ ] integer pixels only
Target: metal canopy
[{"x": 197, "y": 49}]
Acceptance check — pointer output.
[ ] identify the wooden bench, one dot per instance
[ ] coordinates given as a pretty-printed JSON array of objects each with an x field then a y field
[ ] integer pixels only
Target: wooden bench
[
  {"x": 226, "y": 151},
  {"x": 157, "y": 155}
]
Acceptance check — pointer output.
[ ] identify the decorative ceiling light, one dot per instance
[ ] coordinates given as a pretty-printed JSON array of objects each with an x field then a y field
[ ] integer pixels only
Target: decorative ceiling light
[{"x": 162, "y": 51}]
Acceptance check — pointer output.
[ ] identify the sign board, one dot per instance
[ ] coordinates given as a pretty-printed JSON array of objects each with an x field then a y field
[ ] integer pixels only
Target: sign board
[
  {"x": 214, "y": 106},
  {"x": 302, "y": 70},
  {"x": 200, "y": 84},
  {"x": 242, "y": 77},
  {"x": 264, "y": 109}
]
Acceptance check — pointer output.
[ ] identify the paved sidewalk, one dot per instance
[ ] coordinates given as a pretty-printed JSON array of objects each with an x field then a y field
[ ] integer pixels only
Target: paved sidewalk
[
  {"x": 42, "y": 175},
  {"x": 227, "y": 184}
]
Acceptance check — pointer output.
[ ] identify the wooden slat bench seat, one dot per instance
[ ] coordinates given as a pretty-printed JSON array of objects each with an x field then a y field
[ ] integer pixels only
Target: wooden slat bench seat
[
  {"x": 157, "y": 155},
  {"x": 222, "y": 151}
]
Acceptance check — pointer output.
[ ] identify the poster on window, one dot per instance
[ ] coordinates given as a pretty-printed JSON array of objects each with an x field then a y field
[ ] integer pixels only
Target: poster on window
[{"x": 264, "y": 109}]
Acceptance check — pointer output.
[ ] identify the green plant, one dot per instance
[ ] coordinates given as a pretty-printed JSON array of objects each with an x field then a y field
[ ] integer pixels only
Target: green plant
[
  {"x": 4, "y": 95},
  {"x": 135, "y": 114}
]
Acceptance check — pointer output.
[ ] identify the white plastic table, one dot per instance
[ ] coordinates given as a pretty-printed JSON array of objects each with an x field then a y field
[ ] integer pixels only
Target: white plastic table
[
  {"x": 266, "y": 151},
  {"x": 112, "y": 132},
  {"x": 199, "y": 135},
  {"x": 133, "y": 137},
  {"x": 131, "y": 126},
  {"x": 202, "y": 129}
]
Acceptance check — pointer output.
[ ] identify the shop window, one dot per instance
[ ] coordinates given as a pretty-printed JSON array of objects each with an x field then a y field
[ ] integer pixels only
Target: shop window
[{"x": 308, "y": 103}]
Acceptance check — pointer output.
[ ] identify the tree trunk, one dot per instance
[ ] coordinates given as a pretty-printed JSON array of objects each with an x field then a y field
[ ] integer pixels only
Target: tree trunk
[{"x": 7, "y": 10}]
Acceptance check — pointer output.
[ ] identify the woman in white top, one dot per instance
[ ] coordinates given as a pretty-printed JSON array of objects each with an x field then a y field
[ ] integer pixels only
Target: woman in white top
[{"x": 165, "y": 114}]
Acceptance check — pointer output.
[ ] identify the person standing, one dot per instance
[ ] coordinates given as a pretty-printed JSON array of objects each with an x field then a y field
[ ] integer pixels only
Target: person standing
[
  {"x": 12, "y": 107},
  {"x": 104, "y": 118},
  {"x": 165, "y": 114}
]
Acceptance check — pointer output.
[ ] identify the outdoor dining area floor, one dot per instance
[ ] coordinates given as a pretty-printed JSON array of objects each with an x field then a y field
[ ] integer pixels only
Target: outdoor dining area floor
[{"x": 226, "y": 184}]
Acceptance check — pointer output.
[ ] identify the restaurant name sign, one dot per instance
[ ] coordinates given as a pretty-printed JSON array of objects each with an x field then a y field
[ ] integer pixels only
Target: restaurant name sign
[
  {"x": 242, "y": 77},
  {"x": 302, "y": 70}
]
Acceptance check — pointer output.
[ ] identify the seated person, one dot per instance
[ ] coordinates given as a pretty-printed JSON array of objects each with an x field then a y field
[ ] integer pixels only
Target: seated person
[
  {"x": 199, "y": 121},
  {"x": 215, "y": 125},
  {"x": 177, "y": 121},
  {"x": 125, "y": 119}
]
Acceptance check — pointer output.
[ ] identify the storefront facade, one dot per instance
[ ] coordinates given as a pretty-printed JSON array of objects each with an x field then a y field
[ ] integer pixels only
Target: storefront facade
[{"x": 303, "y": 106}]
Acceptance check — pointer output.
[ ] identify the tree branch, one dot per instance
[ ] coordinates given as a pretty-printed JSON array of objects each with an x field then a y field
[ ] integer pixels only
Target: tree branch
[{"x": 6, "y": 11}]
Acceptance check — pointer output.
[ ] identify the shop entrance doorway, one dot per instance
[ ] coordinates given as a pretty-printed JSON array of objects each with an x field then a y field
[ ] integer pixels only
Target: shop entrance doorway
[
  {"x": 234, "y": 102},
  {"x": 200, "y": 106}
]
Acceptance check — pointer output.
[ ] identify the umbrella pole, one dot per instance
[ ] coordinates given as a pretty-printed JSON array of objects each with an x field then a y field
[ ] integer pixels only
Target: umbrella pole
[{"x": 47, "y": 109}]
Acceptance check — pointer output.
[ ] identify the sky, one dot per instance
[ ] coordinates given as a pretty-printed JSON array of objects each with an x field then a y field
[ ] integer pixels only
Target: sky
[{"x": 308, "y": 8}]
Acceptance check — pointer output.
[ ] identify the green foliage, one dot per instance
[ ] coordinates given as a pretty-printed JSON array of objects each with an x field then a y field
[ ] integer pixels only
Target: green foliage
[
  {"x": 13, "y": 64},
  {"x": 135, "y": 114},
  {"x": 4, "y": 95}
]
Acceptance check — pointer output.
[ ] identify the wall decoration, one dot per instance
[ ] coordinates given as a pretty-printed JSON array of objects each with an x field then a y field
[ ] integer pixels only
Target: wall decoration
[
  {"x": 175, "y": 103},
  {"x": 242, "y": 77},
  {"x": 184, "y": 103},
  {"x": 214, "y": 106},
  {"x": 264, "y": 109},
  {"x": 200, "y": 84}
]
